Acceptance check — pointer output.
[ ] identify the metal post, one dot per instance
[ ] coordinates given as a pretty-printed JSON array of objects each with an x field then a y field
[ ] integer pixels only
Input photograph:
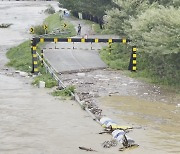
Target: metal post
[
  {"x": 133, "y": 62},
  {"x": 42, "y": 58},
  {"x": 34, "y": 57},
  {"x": 110, "y": 47}
]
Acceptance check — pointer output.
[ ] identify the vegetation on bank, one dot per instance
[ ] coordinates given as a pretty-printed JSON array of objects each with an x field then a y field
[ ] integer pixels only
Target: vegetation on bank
[
  {"x": 66, "y": 92},
  {"x": 152, "y": 25},
  {"x": 54, "y": 22},
  {"x": 21, "y": 57},
  {"x": 155, "y": 31},
  {"x": 92, "y": 10},
  {"x": 50, "y": 10},
  {"x": 118, "y": 58}
]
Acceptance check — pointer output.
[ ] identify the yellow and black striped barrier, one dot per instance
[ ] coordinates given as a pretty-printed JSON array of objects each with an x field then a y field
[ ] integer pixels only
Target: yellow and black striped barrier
[
  {"x": 42, "y": 58},
  {"x": 35, "y": 41},
  {"x": 34, "y": 57},
  {"x": 133, "y": 62},
  {"x": 83, "y": 40}
]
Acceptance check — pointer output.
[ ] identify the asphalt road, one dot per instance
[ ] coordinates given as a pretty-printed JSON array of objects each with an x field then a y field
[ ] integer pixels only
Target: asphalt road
[
  {"x": 85, "y": 56},
  {"x": 79, "y": 59}
]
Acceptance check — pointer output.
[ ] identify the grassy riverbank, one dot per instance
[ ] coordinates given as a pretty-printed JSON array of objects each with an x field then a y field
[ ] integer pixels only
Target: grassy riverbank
[
  {"x": 157, "y": 69},
  {"x": 21, "y": 58},
  {"x": 56, "y": 22}
]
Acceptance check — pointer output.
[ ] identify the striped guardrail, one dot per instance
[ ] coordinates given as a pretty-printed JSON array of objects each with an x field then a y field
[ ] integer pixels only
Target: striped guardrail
[{"x": 35, "y": 41}]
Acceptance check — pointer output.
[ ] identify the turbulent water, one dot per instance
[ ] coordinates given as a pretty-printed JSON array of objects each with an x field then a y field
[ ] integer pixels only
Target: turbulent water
[
  {"x": 22, "y": 16},
  {"x": 160, "y": 132}
]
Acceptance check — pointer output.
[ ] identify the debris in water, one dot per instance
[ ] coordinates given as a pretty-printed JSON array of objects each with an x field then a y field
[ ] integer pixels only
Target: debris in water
[
  {"x": 5, "y": 25},
  {"x": 87, "y": 149},
  {"x": 81, "y": 74},
  {"x": 108, "y": 144},
  {"x": 178, "y": 105},
  {"x": 129, "y": 146}
]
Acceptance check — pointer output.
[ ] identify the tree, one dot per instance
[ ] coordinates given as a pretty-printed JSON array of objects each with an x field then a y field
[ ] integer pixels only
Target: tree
[
  {"x": 156, "y": 33},
  {"x": 175, "y": 3},
  {"x": 153, "y": 26},
  {"x": 94, "y": 7},
  {"x": 157, "y": 30},
  {"x": 117, "y": 18},
  {"x": 93, "y": 10}
]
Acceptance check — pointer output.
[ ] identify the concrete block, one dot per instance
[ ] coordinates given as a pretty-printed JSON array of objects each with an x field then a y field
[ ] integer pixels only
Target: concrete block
[{"x": 42, "y": 84}]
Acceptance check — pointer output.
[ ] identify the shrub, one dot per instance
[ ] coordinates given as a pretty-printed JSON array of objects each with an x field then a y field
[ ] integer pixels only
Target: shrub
[
  {"x": 50, "y": 10},
  {"x": 39, "y": 30},
  {"x": 64, "y": 92}
]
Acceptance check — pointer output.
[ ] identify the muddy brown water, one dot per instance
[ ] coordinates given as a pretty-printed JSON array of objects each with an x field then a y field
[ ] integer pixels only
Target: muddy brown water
[{"x": 160, "y": 122}]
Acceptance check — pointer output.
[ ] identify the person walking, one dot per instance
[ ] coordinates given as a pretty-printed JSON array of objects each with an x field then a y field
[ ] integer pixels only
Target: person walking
[{"x": 79, "y": 30}]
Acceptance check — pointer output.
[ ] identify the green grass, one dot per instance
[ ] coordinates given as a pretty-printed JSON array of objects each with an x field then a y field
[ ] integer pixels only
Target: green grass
[
  {"x": 118, "y": 58},
  {"x": 54, "y": 21},
  {"x": 96, "y": 28},
  {"x": 21, "y": 57},
  {"x": 47, "y": 78},
  {"x": 150, "y": 69},
  {"x": 64, "y": 92}
]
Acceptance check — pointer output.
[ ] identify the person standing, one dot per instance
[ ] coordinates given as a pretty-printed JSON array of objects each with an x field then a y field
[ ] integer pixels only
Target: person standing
[{"x": 79, "y": 30}]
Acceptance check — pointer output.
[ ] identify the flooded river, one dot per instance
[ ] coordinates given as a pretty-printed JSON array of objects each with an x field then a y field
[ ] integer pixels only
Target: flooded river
[
  {"x": 22, "y": 15},
  {"x": 160, "y": 122}
]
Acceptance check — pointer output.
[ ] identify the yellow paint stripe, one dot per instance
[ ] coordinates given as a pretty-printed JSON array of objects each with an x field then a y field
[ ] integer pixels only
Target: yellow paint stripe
[
  {"x": 55, "y": 40},
  {"x": 134, "y": 49},
  {"x": 35, "y": 62},
  {"x": 134, "y": 61},
  {"x": 34, "y": 55},
  {"x": 35, "y": 69},
  {"x": 134, "y": 55},
  {"x": 41, "y": 40},
  {"x": 110, "y": 40},
  {"x": 123, "y": 40},
  {"x": 104, "y": 126},
  {"x": 82, "y": 40},
  {"x": 134, "y": 68},
  {"x": 96, "y": 40},
  {"x": 34, "y": 47},
  {"x": 115, "y": 126},
  {"x": 69, "y": 40}
]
